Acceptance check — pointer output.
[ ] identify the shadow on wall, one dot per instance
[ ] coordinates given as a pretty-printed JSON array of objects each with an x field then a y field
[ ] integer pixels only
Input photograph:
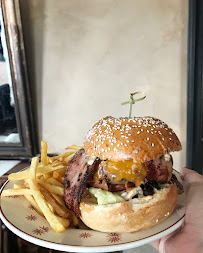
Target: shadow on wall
[{"x": 32, "y": 14}]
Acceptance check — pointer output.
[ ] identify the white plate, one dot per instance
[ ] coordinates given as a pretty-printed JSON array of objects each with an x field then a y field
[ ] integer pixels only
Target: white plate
[{"x": 21, "y": 219}]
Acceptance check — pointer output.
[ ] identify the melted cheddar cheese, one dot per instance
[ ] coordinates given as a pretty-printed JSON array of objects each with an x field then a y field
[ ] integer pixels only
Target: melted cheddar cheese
[{"x": 132, "y": 172}]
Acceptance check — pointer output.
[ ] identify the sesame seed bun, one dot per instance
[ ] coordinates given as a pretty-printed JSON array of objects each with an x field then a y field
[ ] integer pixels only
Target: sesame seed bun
[
  {"x": 140, "y": 138},
  {"x": 130, "y": 216}
]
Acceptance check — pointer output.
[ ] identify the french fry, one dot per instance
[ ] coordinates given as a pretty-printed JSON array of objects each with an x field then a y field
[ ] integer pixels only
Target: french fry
[
  {"x": 60, "y": 157},
  {"x": 33, "y": 169},
  {"x": 50, "y": 207},
  {"x": 26, "y": 184},
  {"x": 46, "y": 176},
  {"x": 59, "y": 199},
  {"x": 68, "y": 158},
  {"x": 53, "y": 188},
  {"x": 58, "y": 208},
  {"x": 74, "y": 220},
  {"x": 74, "y": 147},
  {"x": 59, "y": 173},
  {"x": 15, "y": 192},
  {"x": 20, "y": 186},
  {"x": 49, "y": 168},
  {"x": 33, "y": 203},
  {"x": 44, "y": 159},
  {"x": 64, "y": 222},
  {"x": 51, "y": 218},
  {"x": 30, "y": 199},
  {"x": 60, "y": 179},
  {"x": 19, "y": 175},
  {"x": 55, "y": 163},
  {"x": 72, "y": 216},
  {"x": 54, "y": 181}
]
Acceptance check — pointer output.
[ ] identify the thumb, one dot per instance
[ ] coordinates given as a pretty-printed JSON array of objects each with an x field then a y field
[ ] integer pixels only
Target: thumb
[{"x": 190, "y": 176}]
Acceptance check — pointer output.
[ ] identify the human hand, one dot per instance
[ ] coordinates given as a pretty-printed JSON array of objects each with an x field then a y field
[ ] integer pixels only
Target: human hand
[{"x": 188, "y": 238}]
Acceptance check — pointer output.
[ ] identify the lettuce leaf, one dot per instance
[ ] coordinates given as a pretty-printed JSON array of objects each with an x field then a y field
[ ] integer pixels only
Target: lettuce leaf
[{"x": 104, "y": 197}]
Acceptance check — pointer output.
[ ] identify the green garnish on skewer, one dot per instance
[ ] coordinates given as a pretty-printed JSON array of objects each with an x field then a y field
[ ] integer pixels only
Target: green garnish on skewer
[{"x": 132, "y": 100}]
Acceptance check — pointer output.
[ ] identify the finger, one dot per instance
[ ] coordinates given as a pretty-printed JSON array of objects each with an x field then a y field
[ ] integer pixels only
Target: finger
[{"x": 159, "y": 245}]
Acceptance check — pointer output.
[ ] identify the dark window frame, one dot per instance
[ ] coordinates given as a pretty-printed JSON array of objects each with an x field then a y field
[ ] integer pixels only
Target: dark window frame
[{"x": 194, "y": 92}]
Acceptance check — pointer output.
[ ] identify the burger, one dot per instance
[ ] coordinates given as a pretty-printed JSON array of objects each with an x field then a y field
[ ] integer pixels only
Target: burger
[{"x": 122, "y": 179}]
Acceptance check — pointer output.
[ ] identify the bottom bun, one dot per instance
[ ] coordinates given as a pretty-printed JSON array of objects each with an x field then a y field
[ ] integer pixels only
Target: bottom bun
[{"x": 130, "y": 216}]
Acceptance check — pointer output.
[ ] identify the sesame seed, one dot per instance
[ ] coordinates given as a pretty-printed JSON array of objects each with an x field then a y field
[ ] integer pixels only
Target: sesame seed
[
  {"x": 152, "y": 144},
  {"x": 147, "y": 138},
  {"x": 132, "y": 141},
  {"x": 138, "y": 132}
]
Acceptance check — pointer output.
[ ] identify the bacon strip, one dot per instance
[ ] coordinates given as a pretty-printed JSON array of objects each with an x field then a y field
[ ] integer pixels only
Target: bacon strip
[{"x": 76, "y": 176}]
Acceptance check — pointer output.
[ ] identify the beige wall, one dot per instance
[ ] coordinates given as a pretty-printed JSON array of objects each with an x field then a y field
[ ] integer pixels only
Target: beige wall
[{"x": 85, "y": 57}]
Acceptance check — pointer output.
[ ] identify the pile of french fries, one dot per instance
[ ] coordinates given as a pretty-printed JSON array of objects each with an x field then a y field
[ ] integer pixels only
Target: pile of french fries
[{"x": 42, "y": 186}]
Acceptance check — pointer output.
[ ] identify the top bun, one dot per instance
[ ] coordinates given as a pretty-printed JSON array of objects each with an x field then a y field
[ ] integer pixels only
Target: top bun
[{"x": 140, "y": 138}]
